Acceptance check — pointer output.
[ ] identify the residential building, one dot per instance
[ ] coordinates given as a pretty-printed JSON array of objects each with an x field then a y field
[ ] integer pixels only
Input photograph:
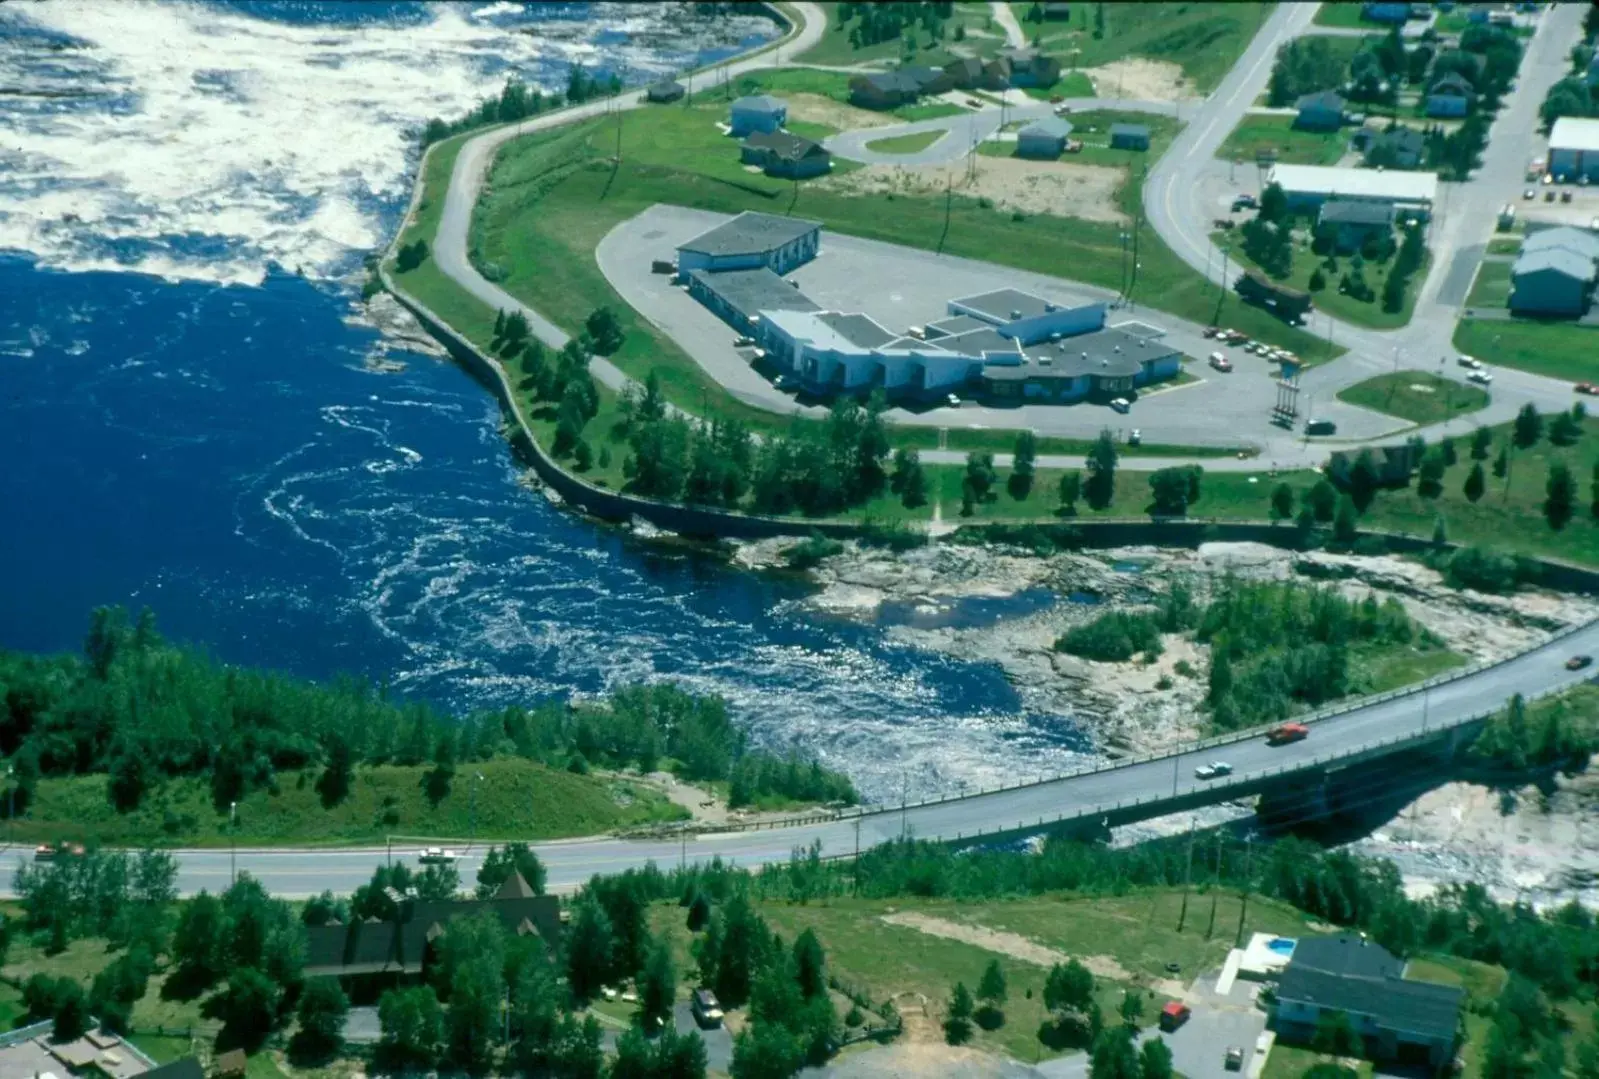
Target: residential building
[
  {"x": 1308, "y": 186},
  {"x": 1400, "y": 148},
  {"x": 965, "y": 73},
  {"x": 1043, "y": 138},
  {"x": 1410, "y": 1023},
  {"x": 757, "y": 112},
  {"x": 780, "y": 153},
  {"x": 929, "y": 80},
  {"x": 403, "y": 944},
  {"x": 1574, "y": 149},
  {"x": 1551, "y": 281},
  {"x": 1057, "y": 12},
  {"x": 1450, "y": 96},
  {"x": 1385, "y": 12},
  {"x": 664, "y": 91},
  {"x": 1355, "y": 221},
  {"x": 1322, "y": 111},
  {"x": 883, "y": 90},
  {"x": 749, "y": 240},
  {"x": 1578, "y": 241},
  {"x": 1029, "y": 67},
  {"x": 33, "y": 1051},
  {"x": 1129, "y": 136}
]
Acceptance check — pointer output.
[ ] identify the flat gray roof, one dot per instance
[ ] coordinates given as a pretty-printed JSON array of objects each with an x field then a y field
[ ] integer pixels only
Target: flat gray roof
[
  {"x": 977, "y": 342},
  {"x": 750, "y": 233},
  {"x": 760, "y": 103},
  {"x": 1129, "y": 129},
  {"x": 1113, "y": 353},
  {"x": 1007, "y": 304},
  {"x": 857, "y": 329},
  {"x": 752, "y": 291},
  {"x": 946, "y": 327},
  {"x": 1562, "y": 236}
]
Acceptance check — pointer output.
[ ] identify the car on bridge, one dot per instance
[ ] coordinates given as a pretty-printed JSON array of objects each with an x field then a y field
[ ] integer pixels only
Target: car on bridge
[
  {"x": 1286, "y": 733},
  {"x": 1586, "y": 387},
  {"x": 1213, "y": 770},
  {"x": 437, "y": 856},
  {"x": 1577, "y": 663}
]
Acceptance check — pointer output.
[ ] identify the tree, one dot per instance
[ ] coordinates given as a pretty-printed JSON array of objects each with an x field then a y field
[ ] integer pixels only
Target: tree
[
  {"x": 1113, "y": 1055},
  {"x": 1273, "y": 204},
  {"x": 436, "y": 780},
  {"x": 657, "y": 987},
  {"x": 958, "y": 1022},
  {"x": 1528, "y": 426},
  {"x": 413, "y": 1028},
  {"x": 1324, "y": 501},
  {"x": 605, "y": 330},
  {"x": 1364, "y": 480},
  {"x": 1564, "y": 429},
  {"x": 1475, "y": 482},
  {"x": 1561, "y": 492},
  {"x": 576, "y": 1052},
  {"x": 1346, "y": 525},
  {"x": 980, "y": 476},
  {"x": 1482, "y": 440},
  {"x": 1020, "y": 482},
  {"x": 589, "y": 946},
  {"x": 500, "y": 862},
  {"x": 810, "y": 966},
  {"x": 699, "y": 912},
  {"x": 334, "y": 783},
  {"x": 1071, "y": 489},
  {"x": 1172, "y": 489},
  {"x": 908, "y": 480},
  {"x": 1501, "y": 463},
  {"x": 198, "y": 945},
  {"x": 410, "y": 256},
  {"x": 1131, "y": 1008},
  {"x": 1318, "y": 280},
  {"x": 1100, "y": 487},
  {"x": 1335, "y": 1035},
  {"x": 249, "y": 1009},
  {"x": 321, "y": 1014},
  {"x": 1154, "y": 1060},
  {"x": 1282, "y": 502},
  {"x": 1430, "y": 476},
  {"x": 991, "y": 988},
  {"x": 1593, "y": 505},
  {"x": 1068, "y": 986},
  {"x": 767, "y": 1051},
  {"x": 1440, "y": 531}
]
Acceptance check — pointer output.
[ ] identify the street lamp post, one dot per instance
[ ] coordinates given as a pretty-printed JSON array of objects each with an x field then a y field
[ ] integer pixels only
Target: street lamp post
[
  {"x": 11, "y": 806},
  {"x": 472, "y": 839},
  {"x": 233, "y": 842}
]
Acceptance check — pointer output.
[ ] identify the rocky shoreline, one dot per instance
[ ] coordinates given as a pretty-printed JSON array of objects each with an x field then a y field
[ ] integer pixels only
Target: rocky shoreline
[{"x": 1008, "y": 607}]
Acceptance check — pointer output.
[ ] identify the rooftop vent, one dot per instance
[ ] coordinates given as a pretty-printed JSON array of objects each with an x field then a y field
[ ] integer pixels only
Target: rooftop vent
[
  {"x": 1118, "y": 348},
  {"x": 1015, "y": 315}
]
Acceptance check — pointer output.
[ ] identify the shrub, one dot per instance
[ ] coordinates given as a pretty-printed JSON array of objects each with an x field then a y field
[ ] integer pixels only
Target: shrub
[{"x": 1114, "y": 637}]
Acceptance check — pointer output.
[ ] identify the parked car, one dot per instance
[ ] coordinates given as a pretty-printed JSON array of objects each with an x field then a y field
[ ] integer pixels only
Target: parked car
[
  {"x": 1481, "y": 377},
  {"x": 783, "y": 382},
  {"x": 1220, "y": 362},
  {"x": 1321, "y": 427},
  {"x": 1245, "y": 202},
  {"x": 1529, "y": 194},
  {"x": 953, "y": 400},
  {"x": 1565, "y": 196},
  {"x": 1122, "y": 405},
  {"x": 1174, "y": 1014},
  {"x": 1235, "y": 1058},
  {"x": 706, "y": 1008},
  {"x": 743, "y": 342},
  {"x": 436, "y": 856},
  {"x": 1286, "y": 733},
  {"x": 46, "y": 852},
  {"x": 1549, "y": 196},
  {"x": 1213, "y": 770},
  {"x": 1212, "y": 331},
  {"x": 1135, "y": 437},
  {"x": 1470, "y": 362},
  {"x": 1586, "y": 387},
  {"x": 1577, "y": 663}
]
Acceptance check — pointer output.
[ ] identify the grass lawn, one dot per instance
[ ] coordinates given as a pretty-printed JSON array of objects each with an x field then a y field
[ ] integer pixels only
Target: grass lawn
[
  {"x": 1292, "y": 1061},
  {"x": 795, "y": 80},
  {"x": 998, "y": 441},
  {"x": 515, "y": 798},
  {"x": 1482, "y": 984},
  {"x": 1071, "y": 84},
  {"x": 1329, "y": 299},
  {"x": 1092, "y": 128},
  {"x": 834, "y": 47},
  {"x": 1204, "y": 39},
  {"x": 1492, "y": 286},
  {"x": 1256, "y": 133},
  {"x": 1417, "y": 396},
  {"x": 1504, "y": 245},
  {"x": 1557, "y": 349},
  {"x": 1389, "y": 667},
  {"x": 1345, "y": 14},
  {"x": 906, "y": 144}
]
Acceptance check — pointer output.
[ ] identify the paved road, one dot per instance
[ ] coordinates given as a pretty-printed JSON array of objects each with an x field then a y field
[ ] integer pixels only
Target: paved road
[
  {"x": 1090, "y": 794},
  {"x": 1014, "y": 37}
]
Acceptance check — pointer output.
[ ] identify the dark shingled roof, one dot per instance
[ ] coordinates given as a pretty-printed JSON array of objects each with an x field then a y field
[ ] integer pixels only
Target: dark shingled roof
[
  {"x": 1357, "y": 213},
  {"x": 1422, "y": 1009},
  {"x": 1006, "y": 304},
  {"x": 400, "y": 946},
  {"x": 784, "y": 145},
  {"x": 187, "y": 1068},
  {"x": 750, "y": 233},
  {"x": 1136, "y": 130},
  {"x": 751, "y": 291},
  {"x": 1453, "y": 82},
  {"x": 858, "y": 329},
  {"x": 1324, "y": 99},
  {"x": 1345, "y": 954}
]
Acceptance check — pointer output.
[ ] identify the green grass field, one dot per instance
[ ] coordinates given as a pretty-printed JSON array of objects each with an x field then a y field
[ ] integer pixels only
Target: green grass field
[
  {"x": 1255, "y": 134},
  {"x": 1418, "y": 396},
  {"x": 1204, "y": 39},
  {"x": 1492, "y": 286},
  {"x": 1557, "y": 349},
  {"x": 1344, "y": 14},
  {"x": 514, "y": 799},
  {"x": 833, "y": 85},
  {"x": 834, "y": 47},
  {"x": 906, "y": 144},
  {"x": 1329, "y": 299},
  {"x": 1504, "y": 245}
]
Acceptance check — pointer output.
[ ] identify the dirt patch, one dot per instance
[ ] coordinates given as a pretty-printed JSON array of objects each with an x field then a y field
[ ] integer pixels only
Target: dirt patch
[
  {"x": 1140, "y": 79},
  {"x": 914, "y": 1059},
  {"x": 1011, "y": 184},
  {"x": 1012, "y": 944},
  {"x": 816, "y": 109}
]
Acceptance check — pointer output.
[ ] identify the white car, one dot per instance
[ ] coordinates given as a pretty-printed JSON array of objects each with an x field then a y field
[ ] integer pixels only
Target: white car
[
  {"x": 953, "y": 401},
  {"x": 437, "y": 856},
  {"x": 1213, "y": 770},
  {"x": 1135, "y": 437},
  {"x": 1121, "y": 404},
  {"x": 1480, "y": 376},
  {"x": 1471, "y": 362}
]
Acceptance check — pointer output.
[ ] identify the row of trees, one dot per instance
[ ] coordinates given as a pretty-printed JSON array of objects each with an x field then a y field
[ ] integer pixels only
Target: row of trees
[
  {"x": 872, "y": 24},
  {"x": 517, "y": 101},
  {"x": 141, "y": 711}
]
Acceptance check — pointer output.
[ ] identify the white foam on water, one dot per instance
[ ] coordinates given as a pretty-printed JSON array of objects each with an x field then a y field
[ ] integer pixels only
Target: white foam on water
[{"x": 210, "y": 145}]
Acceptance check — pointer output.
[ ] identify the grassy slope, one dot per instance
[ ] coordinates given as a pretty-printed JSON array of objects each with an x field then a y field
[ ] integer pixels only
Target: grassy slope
[
  {"x": 1417, "y": 396},
  {"x": 1204, "y": 39},
  {"x": 1556, "y": 349},
  {"x": 834, "y": 47},
  {"x": 515, "y": 799}
]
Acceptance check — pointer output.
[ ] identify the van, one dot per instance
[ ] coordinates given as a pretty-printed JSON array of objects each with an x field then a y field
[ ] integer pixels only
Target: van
[
  {"x": 706, "y": 1008},
  {"x": 1174, "y": 1015},
  {"x": 1321, "y": 427}
]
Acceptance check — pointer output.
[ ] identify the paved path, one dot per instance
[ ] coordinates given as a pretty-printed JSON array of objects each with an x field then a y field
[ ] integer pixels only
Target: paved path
[{"x": 1006, "y": 18}]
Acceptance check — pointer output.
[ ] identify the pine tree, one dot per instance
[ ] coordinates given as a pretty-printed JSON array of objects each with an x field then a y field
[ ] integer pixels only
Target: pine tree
[
  {"x": 1475, "y": 482},
  {"x": 1482, "y": 440},
  {"x": 1561, "y": 492}
]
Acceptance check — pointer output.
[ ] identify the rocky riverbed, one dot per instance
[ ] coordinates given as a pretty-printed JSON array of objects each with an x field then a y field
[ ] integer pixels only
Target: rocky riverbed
[{"x": 1009, "y": 607}]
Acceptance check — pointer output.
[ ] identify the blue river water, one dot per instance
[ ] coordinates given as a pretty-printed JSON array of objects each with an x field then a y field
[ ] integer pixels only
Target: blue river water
[{"x": 217, "y": 449}]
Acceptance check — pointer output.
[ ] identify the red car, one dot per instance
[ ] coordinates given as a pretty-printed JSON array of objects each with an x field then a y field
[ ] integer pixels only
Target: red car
[
  {"x": 1586, "y": 387},
  {"x": 1288, "y": 732},
  {"x": 1577, "y": 663}
]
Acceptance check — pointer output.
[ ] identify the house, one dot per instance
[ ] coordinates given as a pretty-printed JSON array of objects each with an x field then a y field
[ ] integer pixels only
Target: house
[
  {"x": 965, "y": 73},
  {"x": 403, "y": 944},
  {"x": 780, "y": 153},
  {"x": 1057, "y": 12},
  {"x": 1412, "y": 1023},
  {"x": 751, "y": 240},
  {"x": 1400, "y": 148},
  {"x": 1043, "y": 138},
  {"x": 1577, "y": 241},
  {"x": 1323, "y": 111},
  {"x": 757, "y": 112},
  {"x": 928, "y": 80},
  {"x": 882, "y": 90},
  {"x": 1451, "y": 96},
  {"x": 1394, "y": 14},
  {"x": 1028, "y": 67},
  {"x": 1354, "y": 221},
  {"x": 1551, "y": 281},
  {"x": 664, "y": 91},
  {"x": 1129, "y": 136},
  {"x": 1574, "y": 149}
]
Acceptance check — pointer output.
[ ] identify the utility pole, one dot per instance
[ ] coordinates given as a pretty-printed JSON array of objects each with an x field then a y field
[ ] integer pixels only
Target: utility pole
[
  {"x": 233, "y": 842},
  {"x": 904, "y": 787},
  {"x": 1174, "y": 766},
  {"x": 1211, "y": 928},
  {"x": 1188, "y": 873},
  {"x": 11, "y": 806},
  {"x": 472, "y": 839},
  {"x": 1243, "y": 908}
]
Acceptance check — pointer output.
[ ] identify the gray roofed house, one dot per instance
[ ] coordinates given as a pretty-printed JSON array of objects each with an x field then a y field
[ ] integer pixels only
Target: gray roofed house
[
  {"x": 1347, "y": 953},
  {"x": 665, "y": 90},
  {"x": 1551, "y": 280},
  {"x": 756, "y": 112},
  {"x": 1323, "y": 111},
  {"x": 1357, "y": 213},
  {"x": 1129, "y": 136},
  {"x": 1578, "y": 241},
  {"x": 884, "y": 89},
  {"x": 1450, "y": 95},
  {"x": 781, "y": 153},
  {"x": 1043, "y": 138},
  {"x": 1400, "y": 148},
  {"x": 749, "y": 232},
  {"x": 738, "y": 296}
]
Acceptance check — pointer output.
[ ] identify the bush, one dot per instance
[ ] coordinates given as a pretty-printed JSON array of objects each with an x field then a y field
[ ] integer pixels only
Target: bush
[
  {"x": 810, "y": 551},
  {"x": 1487, "y": 571},
  {"x": 1113, "y": 637}
]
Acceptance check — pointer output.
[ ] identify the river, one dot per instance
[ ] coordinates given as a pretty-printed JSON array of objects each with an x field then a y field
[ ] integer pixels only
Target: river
[{"x": 188, "y": 420}]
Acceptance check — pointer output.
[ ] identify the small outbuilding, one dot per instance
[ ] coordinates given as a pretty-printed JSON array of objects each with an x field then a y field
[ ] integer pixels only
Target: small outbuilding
[
  {"x": 1323, "y": 111},
  {"x": 1044, "y": 138},
  {"x": 1057, "y": 12},
  {"x": 757, "y": 112},
  {"x": 1129, "y": 136},
  {"x": 665, "y": 91},
  {"x": 1450, "y": 96},
  {"x": 780, "y": 153}
]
